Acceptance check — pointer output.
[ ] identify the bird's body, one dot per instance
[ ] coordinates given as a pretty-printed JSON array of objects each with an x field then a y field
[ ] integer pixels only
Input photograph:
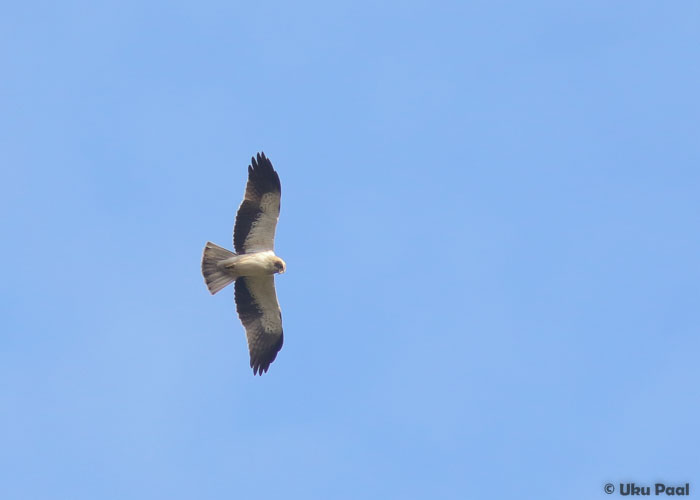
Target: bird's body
[{"x": 254, "y": 265}]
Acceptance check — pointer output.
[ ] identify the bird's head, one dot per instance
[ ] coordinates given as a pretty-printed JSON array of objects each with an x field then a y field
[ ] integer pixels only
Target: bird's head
[{"x": 279, "y": 265}]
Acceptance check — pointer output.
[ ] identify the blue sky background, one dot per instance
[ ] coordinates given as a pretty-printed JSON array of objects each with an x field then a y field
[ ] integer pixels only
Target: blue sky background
[{"x": 490, "y": 220}]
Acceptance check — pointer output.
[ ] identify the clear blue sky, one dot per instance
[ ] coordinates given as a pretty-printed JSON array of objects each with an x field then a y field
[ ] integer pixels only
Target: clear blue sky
[{"x": 490, "y": 221}]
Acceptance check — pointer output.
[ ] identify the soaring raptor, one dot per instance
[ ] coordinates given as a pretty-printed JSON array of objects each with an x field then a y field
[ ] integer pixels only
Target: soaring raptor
[{"x": 254, "y": 264}]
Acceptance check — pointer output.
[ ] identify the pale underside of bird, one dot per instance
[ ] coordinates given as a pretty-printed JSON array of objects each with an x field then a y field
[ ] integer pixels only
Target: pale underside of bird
[{"x": 254, "y": 264}]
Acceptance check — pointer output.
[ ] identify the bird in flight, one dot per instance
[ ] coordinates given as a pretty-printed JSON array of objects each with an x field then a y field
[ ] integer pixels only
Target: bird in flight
[{"x": 254, "y": 264}]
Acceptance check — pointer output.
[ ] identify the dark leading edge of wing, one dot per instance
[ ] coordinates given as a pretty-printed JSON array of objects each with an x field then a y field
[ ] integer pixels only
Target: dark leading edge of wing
[
  {"x": 262, "y": 344},
  {"x": 262, "y": 179}
]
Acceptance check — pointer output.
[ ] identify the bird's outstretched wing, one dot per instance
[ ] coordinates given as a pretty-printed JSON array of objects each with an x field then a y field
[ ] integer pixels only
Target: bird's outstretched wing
[
  {"x": 257, "y": 306},
  {"x": 257, "y": 216}
]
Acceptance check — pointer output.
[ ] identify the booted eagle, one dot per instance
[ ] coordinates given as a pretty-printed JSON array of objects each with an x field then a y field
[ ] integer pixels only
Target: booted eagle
[{"x": 254, "y": 265}]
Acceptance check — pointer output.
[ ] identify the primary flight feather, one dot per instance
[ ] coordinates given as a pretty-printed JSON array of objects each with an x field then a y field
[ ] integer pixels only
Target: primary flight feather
[{"x": 254, "y": 264}]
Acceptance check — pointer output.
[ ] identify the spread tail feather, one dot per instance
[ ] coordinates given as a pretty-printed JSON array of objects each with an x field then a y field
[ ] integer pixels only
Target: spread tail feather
[{"x": 216, "y": 276}]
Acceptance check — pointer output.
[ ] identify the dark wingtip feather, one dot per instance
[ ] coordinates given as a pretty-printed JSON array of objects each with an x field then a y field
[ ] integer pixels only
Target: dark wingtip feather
[
  {"x": 263, "y": 174},
  {"x": 261, "y": 363},
  {"x": 259, "y": 368}
]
